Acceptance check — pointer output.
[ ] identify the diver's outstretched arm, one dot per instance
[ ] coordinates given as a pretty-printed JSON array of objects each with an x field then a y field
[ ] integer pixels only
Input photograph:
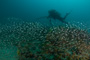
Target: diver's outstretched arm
[{"x": 42, "y": 17}]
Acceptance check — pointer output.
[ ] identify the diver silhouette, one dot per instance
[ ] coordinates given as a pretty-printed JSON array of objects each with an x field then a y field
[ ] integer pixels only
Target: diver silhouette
[{"x": 53, "y": 14}]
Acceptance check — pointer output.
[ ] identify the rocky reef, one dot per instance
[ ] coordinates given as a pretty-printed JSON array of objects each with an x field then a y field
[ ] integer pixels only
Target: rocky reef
[{"x": 37, "y": 42}]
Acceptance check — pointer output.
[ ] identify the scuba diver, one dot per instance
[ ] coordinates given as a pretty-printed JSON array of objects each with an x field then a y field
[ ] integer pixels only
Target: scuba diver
[{"x": 53, "y": 14}]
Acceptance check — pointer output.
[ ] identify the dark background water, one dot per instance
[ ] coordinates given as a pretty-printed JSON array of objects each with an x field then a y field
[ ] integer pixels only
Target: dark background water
[{"x": 31, "y": 9}]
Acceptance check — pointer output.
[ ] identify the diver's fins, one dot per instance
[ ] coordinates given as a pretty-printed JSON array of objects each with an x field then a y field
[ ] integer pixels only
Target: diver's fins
[{"x": 66, "y": 15}]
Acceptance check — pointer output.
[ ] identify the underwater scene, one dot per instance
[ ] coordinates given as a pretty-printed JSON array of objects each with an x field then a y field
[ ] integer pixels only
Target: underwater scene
[{"x": 44, "y": 29}]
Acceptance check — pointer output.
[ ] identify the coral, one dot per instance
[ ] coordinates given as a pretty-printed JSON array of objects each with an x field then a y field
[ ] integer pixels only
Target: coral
[
  {"x": 37, "y": 42},
  {"x": 66, "y": 40},
  {"x": 62, "y": 43}
]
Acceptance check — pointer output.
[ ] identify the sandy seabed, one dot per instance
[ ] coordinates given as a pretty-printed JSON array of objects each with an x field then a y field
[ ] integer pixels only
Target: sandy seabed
[{"x": 8, "y": 53}]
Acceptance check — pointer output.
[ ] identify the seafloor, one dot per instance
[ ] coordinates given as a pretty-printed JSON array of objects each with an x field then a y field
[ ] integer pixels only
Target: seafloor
[{"x": 34, "y": 41}]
